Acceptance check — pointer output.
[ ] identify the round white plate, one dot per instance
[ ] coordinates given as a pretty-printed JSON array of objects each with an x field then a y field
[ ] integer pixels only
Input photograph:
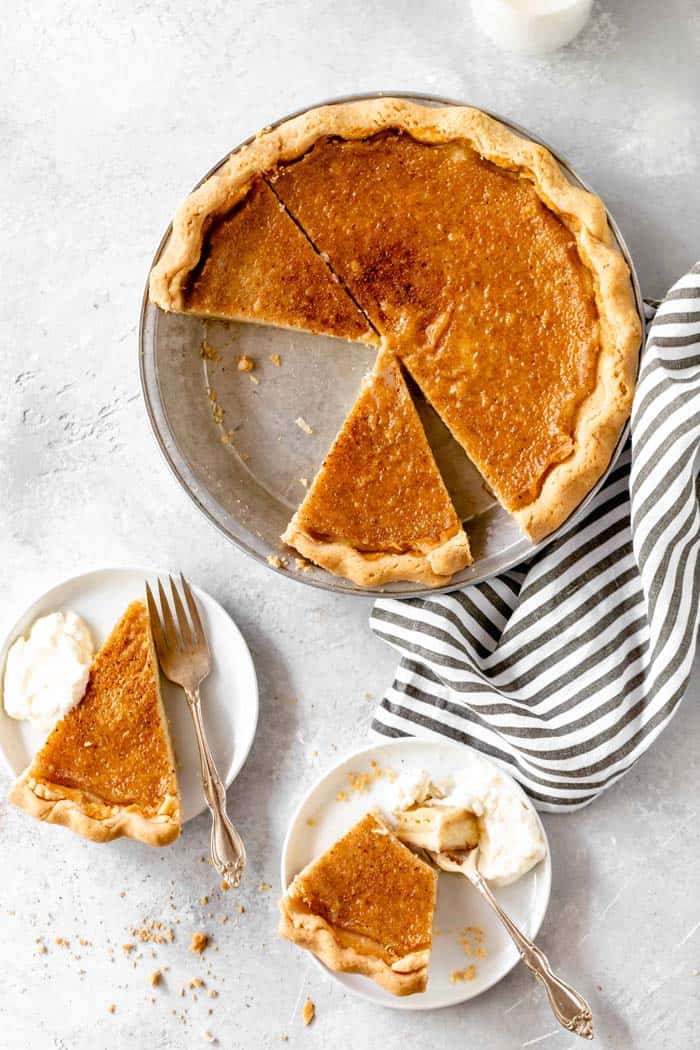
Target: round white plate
[
  {"x": 458, "y": 904},
  {"x": 229, "y": 694}
]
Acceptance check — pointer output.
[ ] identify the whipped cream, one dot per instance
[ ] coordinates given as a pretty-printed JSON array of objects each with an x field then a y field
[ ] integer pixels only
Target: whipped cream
[
  {"x": 47, "y": 672},
  {"x": 510, "y": 838}
]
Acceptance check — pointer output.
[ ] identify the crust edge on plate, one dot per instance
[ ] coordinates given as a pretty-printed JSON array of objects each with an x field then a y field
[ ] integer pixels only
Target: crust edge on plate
[
  {"x": 433, "y": 567},
  {"x": 93, "y": 818},
  {"x": 406, "y": 976},
  {"x": 602, "y": 415}
]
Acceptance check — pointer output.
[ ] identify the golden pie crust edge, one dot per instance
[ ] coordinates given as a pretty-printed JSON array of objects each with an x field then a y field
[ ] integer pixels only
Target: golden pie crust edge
[
  {"x": 604, "y": 412},
  {"x": 432, "y": 567},
  {"x": 404, "y": 977},
  {"x": 91, "y": 817}
]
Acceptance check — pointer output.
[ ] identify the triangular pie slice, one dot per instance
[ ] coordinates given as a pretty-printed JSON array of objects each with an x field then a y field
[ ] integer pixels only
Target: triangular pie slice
[
  {"x": 378, "y": 509},
  {"x": 366, "y": 906},
  {"x": 256, "y": 265},
  {"x": 107, "y": 768}
]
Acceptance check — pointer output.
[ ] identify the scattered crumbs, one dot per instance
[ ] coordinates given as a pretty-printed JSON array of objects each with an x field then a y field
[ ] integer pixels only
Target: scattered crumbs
[
  {"x": 308, "y": 1012},
  {"x": 225, "y": 887},
  {"x": 342, "y": 796},
  {"x": 213, "y": 994},
  {"x": 240, "y": 909},
  {"x": 209, "y": 353},
  {"x": 264, "y": 887},
  {"x": 62, "y": 942},
  {"x": 203, "y": 900},
  {"x": 181, "y": 993},
  {"x": 463, "y": 975},
  {"x": 359, "y": 782},
  {"x": 254, "y": 379},
  {"x": 128, "y": 948},
  {"x": 276, "y": 360},
  {"x": 216, "y": 409},
  {"x": 245, "y": 363},
  {"x": 303, "y": 425},
  {"x": 112, "y": 1008},
  {"x": 155, "y": 978},
  {"x": 311, "y": 822},
  {"x": 154, "y": 933},
  {"x": 472, "y": 940},
  {"x": 304, "y": 482},
  {"x": 41, "y": 949},
  {"x": 199, "y": 942},
  {"x": 303, "y": 565},
  {"x": 275, "y": 561},
  {"x": 196, "y": 982}
]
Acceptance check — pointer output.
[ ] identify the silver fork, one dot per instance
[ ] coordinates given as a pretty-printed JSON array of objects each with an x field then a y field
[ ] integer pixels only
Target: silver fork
[
  {"x": 568, "y": 1006},
  {"x": 183, "y": 654}
]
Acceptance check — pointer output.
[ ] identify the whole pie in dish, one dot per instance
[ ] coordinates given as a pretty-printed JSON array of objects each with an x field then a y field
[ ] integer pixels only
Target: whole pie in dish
[
  {"x": 107, "y": 768},
  {"x": 473, "y": 260},
  {"x": 366, "y": 906},
  {"x": 378, "y": 509}
]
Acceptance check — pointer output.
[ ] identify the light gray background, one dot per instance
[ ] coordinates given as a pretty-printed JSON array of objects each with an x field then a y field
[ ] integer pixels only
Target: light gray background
[{"x": 109, "y": 112}]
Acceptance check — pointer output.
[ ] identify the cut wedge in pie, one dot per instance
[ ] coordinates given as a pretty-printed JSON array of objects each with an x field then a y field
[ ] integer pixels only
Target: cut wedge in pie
[
  {"x": 107, "y": 768},
  {"x": 366, "y": 906},
  {"x": 378, "y": 509},
  {"x": 489, "y": 274},
  {"x": 256, "y": 265}
]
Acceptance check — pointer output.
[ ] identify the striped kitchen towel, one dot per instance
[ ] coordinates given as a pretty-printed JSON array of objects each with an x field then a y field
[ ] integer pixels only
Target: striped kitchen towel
[{"x": 568, "y": 667}]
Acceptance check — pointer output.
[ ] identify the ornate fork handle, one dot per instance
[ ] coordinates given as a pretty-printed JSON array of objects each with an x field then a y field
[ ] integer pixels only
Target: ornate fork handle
[
  {"x": 227, "y": 849},
  {"x": 570, "y": 1009}
]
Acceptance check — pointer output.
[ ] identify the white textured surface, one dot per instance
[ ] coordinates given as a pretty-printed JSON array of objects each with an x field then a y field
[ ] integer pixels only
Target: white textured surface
[{"x": 109, "y": 112}]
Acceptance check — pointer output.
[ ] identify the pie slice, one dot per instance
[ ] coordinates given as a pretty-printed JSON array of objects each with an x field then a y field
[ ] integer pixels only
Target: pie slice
[
  {"x": 255, "y": 265},
  {"x": 366, "y": 906},
  {"x": 107, "y": 769},
  {"x": 378, "y": 509}
]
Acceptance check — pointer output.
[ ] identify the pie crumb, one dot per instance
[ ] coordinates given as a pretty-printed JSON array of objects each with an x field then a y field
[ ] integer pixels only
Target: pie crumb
[
  {"x": 276, "y": 360},
  {"x": 311, "y": 822},
  {"x": 155, "y": 977},
  {"x": 308, "y": 1012},
  {"x": 303, "y": 565},
  {"x": 199, "y": 943},
  {"x": 196, "y": 982},
  {"x": 41, "y": 949},
  {"x": 213, "y": 994},
  {"x": 284, "y": 1037},
  {"x": 463, "y": 975},
  {"x": 208, "y": 353},
  {"x": 203, "y": 900},
  {"x": 275, "y": 561},
  {"x": 303, "y": 425},
  {"x": 240, "y": 909},
  {"x": 208, "y": 1037},
  {"x": 225, "y": 886},
  {"x": 112, "y": 1008},
  {"x": 245, "y": 363},
  {"x": 254, "y": 379},
  {"x": 304, "y": 482},
  {"x": 264, "y": 887}
]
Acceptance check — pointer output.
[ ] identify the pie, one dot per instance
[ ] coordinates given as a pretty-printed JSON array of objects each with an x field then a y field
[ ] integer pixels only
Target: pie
[
  {"x": 437, "y": 827},
  {"x": 366, "y": 906},
  {"x": 378, "y": 509},
  {"x": 107, "y": 768},
  {"x": 473, "y": 259}
]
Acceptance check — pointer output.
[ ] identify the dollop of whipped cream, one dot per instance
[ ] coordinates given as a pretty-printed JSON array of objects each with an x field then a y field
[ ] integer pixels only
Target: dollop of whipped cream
[
  {"x": 510, "y": 838},
  {"x": 47, "y": 672}
]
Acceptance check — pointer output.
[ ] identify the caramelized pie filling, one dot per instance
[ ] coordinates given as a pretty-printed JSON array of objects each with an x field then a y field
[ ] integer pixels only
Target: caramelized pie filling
[
  {"x": 368, "y": 885},
  {"x": 112, "y": 744},
  {"x": 475, "y": 283},
  {"x": 256, "y": 264},
  {"x": 379, "y": 488}
]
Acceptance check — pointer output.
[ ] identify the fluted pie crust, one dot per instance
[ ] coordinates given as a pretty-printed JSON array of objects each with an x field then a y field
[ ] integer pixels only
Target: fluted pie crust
[
  {"x": 366, "y": 906},
  {"x": 554, "y": 224},
  {"x": 107, "y": 769}
]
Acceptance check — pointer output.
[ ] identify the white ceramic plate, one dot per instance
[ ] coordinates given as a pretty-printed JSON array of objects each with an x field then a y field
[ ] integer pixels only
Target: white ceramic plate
[
  {"x": 229, "y": 694},
  {"x": 459, "y": 905}
]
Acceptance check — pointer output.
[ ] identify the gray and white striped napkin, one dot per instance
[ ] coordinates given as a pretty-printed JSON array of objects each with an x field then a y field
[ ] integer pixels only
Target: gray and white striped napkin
[{"x": 567, "y": 668}]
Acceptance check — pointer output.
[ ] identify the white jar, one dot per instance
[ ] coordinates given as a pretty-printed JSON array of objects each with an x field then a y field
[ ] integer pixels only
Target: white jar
[{"x": 531, "y": 27}]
